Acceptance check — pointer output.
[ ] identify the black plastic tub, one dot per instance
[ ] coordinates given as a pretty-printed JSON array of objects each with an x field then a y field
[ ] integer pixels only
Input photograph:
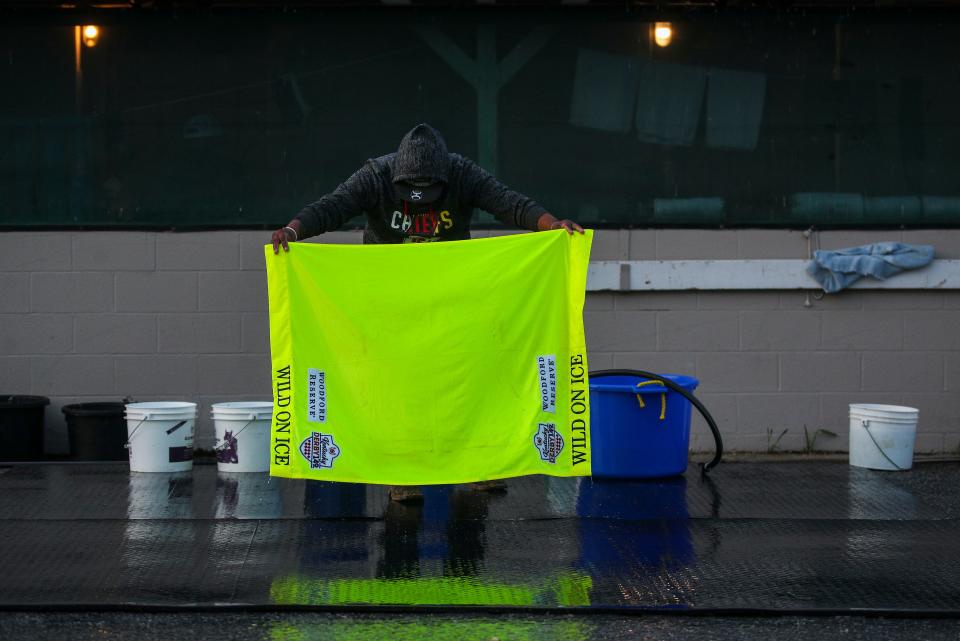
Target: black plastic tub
[
  {"x": 98, "y": 431},
  {"x": 21, "y": 427}
]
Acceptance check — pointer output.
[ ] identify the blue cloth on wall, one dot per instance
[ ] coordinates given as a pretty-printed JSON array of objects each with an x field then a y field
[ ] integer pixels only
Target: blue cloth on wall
[{"x": 837, "y": 269}]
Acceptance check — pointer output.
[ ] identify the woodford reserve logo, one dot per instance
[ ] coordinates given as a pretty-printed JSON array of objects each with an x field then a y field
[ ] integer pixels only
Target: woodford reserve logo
[
  {"x": 316, "y": 396},
  {"x": 547, "y": 370}
]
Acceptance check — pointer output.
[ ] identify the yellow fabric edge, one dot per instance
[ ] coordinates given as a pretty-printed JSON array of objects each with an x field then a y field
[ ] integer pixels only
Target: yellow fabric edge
[
  {"x": 576, "y": 293},
  {"x": 282, "y": 445}
]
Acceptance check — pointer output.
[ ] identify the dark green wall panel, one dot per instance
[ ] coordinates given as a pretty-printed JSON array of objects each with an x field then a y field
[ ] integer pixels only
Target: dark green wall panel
[{"x": 240, "y": 118}]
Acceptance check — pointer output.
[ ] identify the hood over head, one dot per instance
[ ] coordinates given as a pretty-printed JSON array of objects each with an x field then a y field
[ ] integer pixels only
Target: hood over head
[{"x": 420, "y": 163}]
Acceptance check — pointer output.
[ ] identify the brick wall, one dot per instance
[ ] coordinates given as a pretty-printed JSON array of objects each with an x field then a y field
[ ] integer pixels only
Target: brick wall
[{"x": 90, "y": 316}]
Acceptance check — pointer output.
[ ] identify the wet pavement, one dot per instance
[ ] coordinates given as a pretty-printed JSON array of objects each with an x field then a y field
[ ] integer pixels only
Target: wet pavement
[
  {"x": 470, "y": 627},
  {"x": 801, "y": 538}
]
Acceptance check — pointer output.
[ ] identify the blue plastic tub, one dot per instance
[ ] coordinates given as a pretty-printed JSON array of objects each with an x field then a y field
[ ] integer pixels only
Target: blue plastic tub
[{"x": 630, "y": 441}]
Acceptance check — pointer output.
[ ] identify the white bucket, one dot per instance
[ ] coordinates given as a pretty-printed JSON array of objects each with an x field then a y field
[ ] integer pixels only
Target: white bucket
[
  {"x": 160, "y": 436},
  {"x": 882, "y": 436},
  {"x": 243, "y": 436}
]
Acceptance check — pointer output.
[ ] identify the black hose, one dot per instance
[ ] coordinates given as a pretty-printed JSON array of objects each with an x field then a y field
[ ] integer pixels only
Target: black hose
[{"x": 704, "y": 467}]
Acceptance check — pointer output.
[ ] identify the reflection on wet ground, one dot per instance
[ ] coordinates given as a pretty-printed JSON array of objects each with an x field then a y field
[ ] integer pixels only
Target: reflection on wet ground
[
  {"x": 786, "y": 536},
  {"x": 461, "y": 626}
]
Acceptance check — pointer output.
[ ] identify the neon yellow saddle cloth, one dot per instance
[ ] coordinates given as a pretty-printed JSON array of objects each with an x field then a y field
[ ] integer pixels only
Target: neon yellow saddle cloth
[{"x": 432, "y": 363}]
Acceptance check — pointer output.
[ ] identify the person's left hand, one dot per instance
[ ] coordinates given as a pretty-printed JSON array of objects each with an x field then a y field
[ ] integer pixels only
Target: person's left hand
[{"x": 567, "y": 224}]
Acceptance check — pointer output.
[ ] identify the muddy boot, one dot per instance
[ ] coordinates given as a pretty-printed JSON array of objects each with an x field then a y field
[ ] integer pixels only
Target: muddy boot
[
  {"x": 496, "y": 485},
  {"x": 405, "y": 493}
]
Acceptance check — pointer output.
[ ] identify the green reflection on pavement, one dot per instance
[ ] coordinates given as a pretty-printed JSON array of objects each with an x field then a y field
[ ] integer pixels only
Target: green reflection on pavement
[{"x": 568, "y": 589}]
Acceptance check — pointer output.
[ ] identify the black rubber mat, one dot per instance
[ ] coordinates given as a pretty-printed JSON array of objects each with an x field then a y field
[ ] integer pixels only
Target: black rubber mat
[
  {"x": 779, "y": 537},
  {"x": 808, "y": 490}
]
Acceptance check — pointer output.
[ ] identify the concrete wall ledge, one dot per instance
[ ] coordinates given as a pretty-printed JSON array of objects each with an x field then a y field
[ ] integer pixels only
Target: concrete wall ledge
[{"x": 666, "y": 275}]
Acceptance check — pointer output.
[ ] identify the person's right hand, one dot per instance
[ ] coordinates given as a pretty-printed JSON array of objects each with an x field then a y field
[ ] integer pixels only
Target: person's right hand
[{"x": 280, "y": 238}]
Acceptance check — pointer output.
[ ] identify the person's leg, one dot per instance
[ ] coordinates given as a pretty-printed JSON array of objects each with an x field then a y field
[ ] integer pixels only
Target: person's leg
[
  {"x": 400, "y": 538},
  {"x": 495, "y": 485},
  {"x": 466, "y": 532},
  {"x": 405, "y": 493}
]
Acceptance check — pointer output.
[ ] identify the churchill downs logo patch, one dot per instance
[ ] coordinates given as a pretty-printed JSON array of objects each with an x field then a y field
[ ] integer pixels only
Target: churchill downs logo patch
[
  {"x": 319, "y": 450},
  {"x": 549, "y": 442}
]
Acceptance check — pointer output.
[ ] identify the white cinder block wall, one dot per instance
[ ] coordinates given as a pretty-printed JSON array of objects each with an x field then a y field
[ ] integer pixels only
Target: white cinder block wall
[{"x": 88, "y": 316}]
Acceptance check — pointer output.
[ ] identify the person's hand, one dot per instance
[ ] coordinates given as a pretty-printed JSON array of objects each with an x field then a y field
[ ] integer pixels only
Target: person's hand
[
  {"x": 281, "y": 237},
  {"x": 569, "y": 225},
  {"x": 548, "y": 221}
]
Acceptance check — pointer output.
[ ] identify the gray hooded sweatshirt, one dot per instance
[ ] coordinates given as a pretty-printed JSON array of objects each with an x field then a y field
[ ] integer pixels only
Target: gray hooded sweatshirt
[{"x": 422, "y": 154}]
